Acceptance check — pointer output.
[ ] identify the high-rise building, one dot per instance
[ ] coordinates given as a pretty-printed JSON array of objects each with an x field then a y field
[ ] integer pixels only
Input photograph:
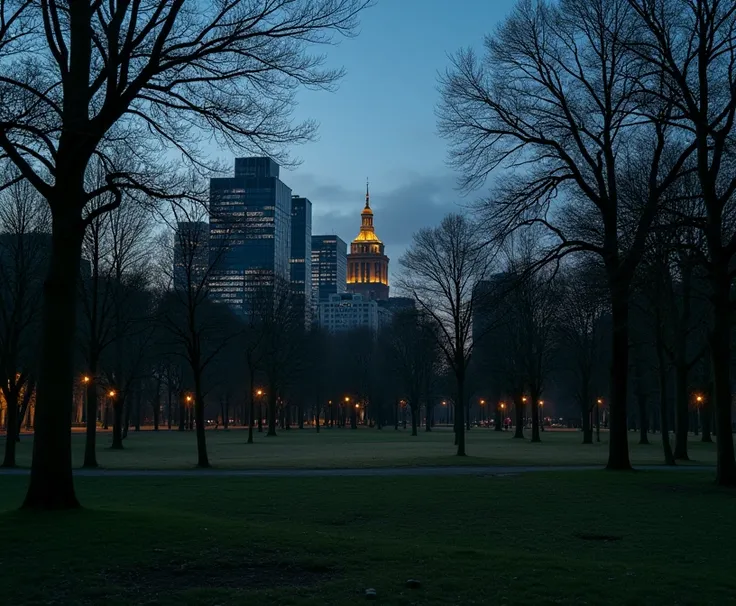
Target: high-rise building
[
  {"x": 329, "y": 267},
  {"x": 250, "y": 231},
  {"x": 191, "y": 254},
  {"x": 367, "y": 262},
  {"x": 300, "y": 261},
  {"x": 346, "y": 312}
]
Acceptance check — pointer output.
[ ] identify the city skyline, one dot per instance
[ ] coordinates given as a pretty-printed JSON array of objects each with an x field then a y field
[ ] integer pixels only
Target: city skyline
[{"x": 380, "y": 123}]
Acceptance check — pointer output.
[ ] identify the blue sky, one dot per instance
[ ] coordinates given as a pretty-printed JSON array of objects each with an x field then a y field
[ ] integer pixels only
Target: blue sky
[{"x": 381, "y": 124}]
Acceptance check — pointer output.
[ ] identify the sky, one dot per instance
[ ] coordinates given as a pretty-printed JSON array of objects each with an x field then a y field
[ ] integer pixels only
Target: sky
[{"x": 380, "y": 124}]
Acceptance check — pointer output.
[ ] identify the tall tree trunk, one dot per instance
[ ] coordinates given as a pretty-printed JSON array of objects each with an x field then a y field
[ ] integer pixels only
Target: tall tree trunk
[
  {"x": 682, "y": 414},
  {"x": 11, "y": 423},
  {"x": 52, "y": 484},
  {"x": 169, "y": 398},
  {"x": 643, "y": 420},
  {"x": 157, "y": 406},
  {"x": 618, "y": 440},
  {"x": 459, "y": 415},
  {"x": 138, "y": 406},
  {"x": 587, "y": 424},
  {"x": 226, "y": 418},
  {"x": 90, "y": 446},
  {"x": 117, "y": 423},
  {"x": 499, "y": 420},
  {"x": 271, "y": 412},
  {"x": 202, "y": 459},
  {"x": 720, "y": 350},
  {"x": 519, "y": 433},
  {"x": 182, "y": 414},
  {"x": 669, "y": 457},
  {"x": 125, "y": 407},
  {"x": 414, "y": 419},
  {"x": 535, "y": 415},
  {"x": 430, "y": 417}
]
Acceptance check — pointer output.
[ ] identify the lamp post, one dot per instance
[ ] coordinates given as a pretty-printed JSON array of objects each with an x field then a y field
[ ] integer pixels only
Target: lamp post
[
  {"x": 331, "y": 422},
  {"x": 698, "y": 404},
  {"x": 598, "y": 420},
  {"x": 503, "y": 416},
  {"x": 444, "y": 408},
  {"x": 482, "y": 409}
]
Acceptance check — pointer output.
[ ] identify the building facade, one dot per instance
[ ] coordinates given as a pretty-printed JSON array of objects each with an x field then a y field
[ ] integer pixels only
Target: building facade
[
  {"x": 250, "y": 231},
  {"x": 300, "y": 261},
  {"x": 367, "y": 261},
  {"x": 346, "y": 312},
  {"x": 191, "y": 254},
  {"x": 329, "y": 267}
]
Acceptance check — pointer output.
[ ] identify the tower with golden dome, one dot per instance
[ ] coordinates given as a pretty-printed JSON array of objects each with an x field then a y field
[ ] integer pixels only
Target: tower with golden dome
[{"x": 367, "y": 262}]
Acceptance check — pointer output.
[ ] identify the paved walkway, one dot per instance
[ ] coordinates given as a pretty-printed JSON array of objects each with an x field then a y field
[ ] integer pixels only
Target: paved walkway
[{"x": 361, "y": 472}]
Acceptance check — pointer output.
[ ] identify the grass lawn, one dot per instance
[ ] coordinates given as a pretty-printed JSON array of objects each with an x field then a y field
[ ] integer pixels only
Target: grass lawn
[
  {"x": 515, "y": 539},
  {"x": 359, "y": 448}
]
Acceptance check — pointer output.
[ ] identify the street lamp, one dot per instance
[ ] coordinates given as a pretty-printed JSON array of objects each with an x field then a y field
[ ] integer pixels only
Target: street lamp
[
  {"x": 85, "y": 379},
  {"x": 698, "y": 404},
  {"x": 503, "y": 416},
  {"x": 111, "y": 393},
  {"x": 482, "y": 404},
  {"x": 598, "y": 420}
]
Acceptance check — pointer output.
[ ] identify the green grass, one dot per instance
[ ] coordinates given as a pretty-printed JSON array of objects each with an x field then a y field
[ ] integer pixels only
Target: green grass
[
  {"x": 518, "y": 539},
  {"x": 361, "y": 448}
]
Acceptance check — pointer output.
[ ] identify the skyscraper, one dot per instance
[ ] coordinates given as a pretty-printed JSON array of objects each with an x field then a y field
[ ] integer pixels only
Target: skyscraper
[
  {"x": 250, "y": 231},
  {"x": 301, "y": 255},
  {"x": 191, "y": 254},
  {"x": 329, "y": 267},
  {"x": 367, "y": 263}
]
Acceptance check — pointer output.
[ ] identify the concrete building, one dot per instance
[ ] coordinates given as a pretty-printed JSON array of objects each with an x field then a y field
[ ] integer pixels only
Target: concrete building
[{"x": 346, "y": 312}]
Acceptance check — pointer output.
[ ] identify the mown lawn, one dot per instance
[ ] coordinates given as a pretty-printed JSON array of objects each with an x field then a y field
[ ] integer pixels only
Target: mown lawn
[
  {"x": 360, "y": 448},
  {"x": 542, "y": 538}
]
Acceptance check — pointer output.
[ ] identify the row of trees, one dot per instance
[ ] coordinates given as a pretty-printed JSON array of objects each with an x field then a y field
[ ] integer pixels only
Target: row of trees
[{"x": 608, "y": 125}]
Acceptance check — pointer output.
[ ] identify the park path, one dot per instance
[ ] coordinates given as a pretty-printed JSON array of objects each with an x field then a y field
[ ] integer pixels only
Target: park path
[{"x": 360, "y": 472}]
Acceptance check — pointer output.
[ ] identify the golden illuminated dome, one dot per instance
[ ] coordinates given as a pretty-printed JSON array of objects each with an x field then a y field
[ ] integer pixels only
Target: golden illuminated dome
[{"x": 367, "y": 231}]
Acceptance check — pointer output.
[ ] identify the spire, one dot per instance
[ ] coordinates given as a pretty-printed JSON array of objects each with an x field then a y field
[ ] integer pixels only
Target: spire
[{"x": 367, "y": 194}]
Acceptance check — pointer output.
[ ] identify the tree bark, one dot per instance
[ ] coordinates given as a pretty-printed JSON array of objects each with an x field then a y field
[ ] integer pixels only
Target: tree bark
[
  {"x": 430, "y": 417},
  {"x": 499, "y": 420},
  {"x": 52, "y": 484},
  {"x": 587, "y": 425},
  {"x": 414, "y": 419},
  {"x": 535, "y": 416},
  {"x": 459, "y": 416},
  {"x": 117, "y": 423},
  {"x": 618, "y": 440},
  {"x": 519, "y": 433},
  {"x": 669, "y": 457},
  {"x": 202, "y": 459}
]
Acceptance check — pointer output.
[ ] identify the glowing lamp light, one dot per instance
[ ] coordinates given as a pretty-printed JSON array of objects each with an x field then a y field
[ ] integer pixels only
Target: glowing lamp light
[{"x": 112, "y": 393}]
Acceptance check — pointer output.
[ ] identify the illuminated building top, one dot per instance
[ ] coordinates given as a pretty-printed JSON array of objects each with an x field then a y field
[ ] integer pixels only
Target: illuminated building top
[{"x": 367, "y": 262}]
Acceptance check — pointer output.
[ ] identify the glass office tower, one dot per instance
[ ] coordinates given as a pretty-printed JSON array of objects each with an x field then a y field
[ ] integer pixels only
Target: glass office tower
[
  {"x": 250, "y": 231},
  {"x": 329, "y": 267},
  {"x": 301, "y": 256}
]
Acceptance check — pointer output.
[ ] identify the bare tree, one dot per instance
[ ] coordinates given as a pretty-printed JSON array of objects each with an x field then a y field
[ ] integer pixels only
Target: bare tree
[
  {"x": 279, "y": 330},
  {"x": 556, "y": 101},
  {"x": 412, "y": 347},
  {"x": 24, "y": 254},
  {"x": 440, "y": 270},
  {"x": 80, "y": 77},
  {"x": 692, "y": 43},
  {"x": 583, "y": 308},
  {"x": 199, "y": 329}
]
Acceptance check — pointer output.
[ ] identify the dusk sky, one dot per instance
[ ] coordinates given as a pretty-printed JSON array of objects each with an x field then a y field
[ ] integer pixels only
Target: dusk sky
[{"x": 381, "y": 124}]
